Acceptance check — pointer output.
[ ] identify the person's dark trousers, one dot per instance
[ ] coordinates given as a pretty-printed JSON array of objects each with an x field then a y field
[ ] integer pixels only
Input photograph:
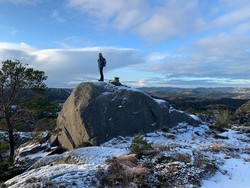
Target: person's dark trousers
[{"x": 101, "y": 74}]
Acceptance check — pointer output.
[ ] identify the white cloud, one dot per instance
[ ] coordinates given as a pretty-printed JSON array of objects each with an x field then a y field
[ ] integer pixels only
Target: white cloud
[
  {"x": 220, "y": 59},
  {"x": 101, "y": 9},
  {"x": 153, "y": 21},
  {"x": 158, "y": 21},
  {"x": 141, "y": 83},
  {"x": 67, "y": 66},
  {"x": 218, "y": 54}
]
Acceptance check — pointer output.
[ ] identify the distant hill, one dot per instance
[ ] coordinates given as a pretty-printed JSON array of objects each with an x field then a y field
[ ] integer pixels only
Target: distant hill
[
  {"x": 245, "y": 108},
  {"x": 182, "y": 98},
  {"x": 61, "y": 94},
  {"x": 58, "y": 94},
  {"x": 201, "y": 99},
  {"x": 212, "y": 93}
]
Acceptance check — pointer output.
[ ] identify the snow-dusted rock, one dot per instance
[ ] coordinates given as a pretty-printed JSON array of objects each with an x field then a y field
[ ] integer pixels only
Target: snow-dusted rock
[
  {"x": 96, "y": 112},
  {"x": 177, "y": 116},
  {"x": 189, "y": 159},
  {"x": 243, "y": 113},
  {"x": 72, "y": 169},
  {"x": 29, "y": 148}
]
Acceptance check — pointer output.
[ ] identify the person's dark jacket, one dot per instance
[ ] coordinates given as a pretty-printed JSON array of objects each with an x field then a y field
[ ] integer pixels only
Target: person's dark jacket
[{"x": 101, "y": 62}]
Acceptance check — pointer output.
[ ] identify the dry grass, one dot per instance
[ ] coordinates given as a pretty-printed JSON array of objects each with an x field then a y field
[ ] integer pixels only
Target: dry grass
[
  {"x": 122, "y": 171},
  {"x": 247, "y": 160},
  {"x": 128, "y": 160},
  {"x": 137, "y": 170},
  {"x": 199, "y": 160},
  {"x": 230, "y": 151},
  {"x": 215, "y": 147},
  {"x": 186, "y": 158},
  {"x": 162, "y": 147}
]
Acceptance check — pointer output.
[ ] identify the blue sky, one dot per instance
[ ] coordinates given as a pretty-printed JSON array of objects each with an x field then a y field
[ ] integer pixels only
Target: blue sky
[{"x": 178, "y": 43}]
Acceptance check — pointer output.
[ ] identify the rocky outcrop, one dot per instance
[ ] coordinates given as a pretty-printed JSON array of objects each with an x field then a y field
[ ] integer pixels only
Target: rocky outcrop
[
  {"x": 66, "y": 170},
  {"x": 176, "y": 116},
  {"x": 242, "y": 114},
  {"x": 30, "y": 148},
  {"x": 97, "y": 112}
]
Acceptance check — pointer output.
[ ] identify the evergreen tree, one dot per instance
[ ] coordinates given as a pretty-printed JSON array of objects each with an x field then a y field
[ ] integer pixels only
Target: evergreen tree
[{"x": 16, "y": 79}]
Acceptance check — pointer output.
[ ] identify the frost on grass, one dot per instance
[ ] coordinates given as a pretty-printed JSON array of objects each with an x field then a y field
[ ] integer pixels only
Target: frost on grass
[
  {"x": 157, "y": 169},
  {"x": 184, "y": 156}
]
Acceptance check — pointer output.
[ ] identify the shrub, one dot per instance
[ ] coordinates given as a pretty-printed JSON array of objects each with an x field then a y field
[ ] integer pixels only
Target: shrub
[
  {"x": 186, "y": 158},
  {"x": 208, "y": 166},
  {"x": 123, "y": 171},
  {"x": 8, "y": 170},
  {"x": 199, "y": 159},
  {"x": 139, "y": 145},
  {"x": 165, "y": 129},
  {"x": 45, "y": 124},
  {"x": 39, "y": 137},
  {"x": 224, "y": 119},
  {"x": 247, "y": 124}
]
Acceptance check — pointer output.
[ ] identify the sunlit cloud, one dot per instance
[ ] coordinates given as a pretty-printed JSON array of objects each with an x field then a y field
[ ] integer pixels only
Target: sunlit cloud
[
  {"x": 152, "y": 21},
  {"x": 181, "y": 42},
  {"x": 206, "y": 64},
  {"x": 162, "y": 20},
  {"x": 67, "y": 66},
  {"x": 141, "y": 83}
]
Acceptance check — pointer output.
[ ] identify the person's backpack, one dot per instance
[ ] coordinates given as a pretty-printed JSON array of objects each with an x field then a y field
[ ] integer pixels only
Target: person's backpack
[{"x": 104, "y": 62}]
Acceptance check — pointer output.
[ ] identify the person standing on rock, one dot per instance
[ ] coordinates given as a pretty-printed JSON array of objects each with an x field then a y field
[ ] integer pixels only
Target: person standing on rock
[{"x": 101, "y": 64}]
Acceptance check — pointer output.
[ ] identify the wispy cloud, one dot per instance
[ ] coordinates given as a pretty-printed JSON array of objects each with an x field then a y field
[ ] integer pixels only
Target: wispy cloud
[
  {"x": 221, "y": 60},
  {"x": 57, "y": 16},
  {"x": 153, "y": 21},
  {"x": 13, "y": 32},
  {"x": 30, "y": 2},
  {"x": 161, "y": 20},
  {"x": 234, "y": 17},
  {"x": 215, "y": 56}
]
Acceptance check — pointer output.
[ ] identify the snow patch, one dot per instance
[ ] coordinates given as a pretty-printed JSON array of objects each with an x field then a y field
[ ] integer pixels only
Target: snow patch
[{"x": 234, "y": 173}]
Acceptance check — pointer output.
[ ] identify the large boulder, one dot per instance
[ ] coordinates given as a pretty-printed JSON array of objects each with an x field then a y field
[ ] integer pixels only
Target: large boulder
[{"x": 96, "y": 112}]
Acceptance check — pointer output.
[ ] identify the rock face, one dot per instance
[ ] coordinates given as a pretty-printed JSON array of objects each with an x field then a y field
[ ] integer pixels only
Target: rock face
[
  {"x": 97, "y": 112},
  {"x": 243, "y": 113}
]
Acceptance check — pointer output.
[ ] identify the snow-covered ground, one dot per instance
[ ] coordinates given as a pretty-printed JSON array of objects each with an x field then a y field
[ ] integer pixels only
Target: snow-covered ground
[{"x": 79, "y": 168}]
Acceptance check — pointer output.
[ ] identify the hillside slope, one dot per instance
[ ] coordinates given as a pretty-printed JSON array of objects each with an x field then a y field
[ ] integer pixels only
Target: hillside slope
[{"x": 186, "y": 156}]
